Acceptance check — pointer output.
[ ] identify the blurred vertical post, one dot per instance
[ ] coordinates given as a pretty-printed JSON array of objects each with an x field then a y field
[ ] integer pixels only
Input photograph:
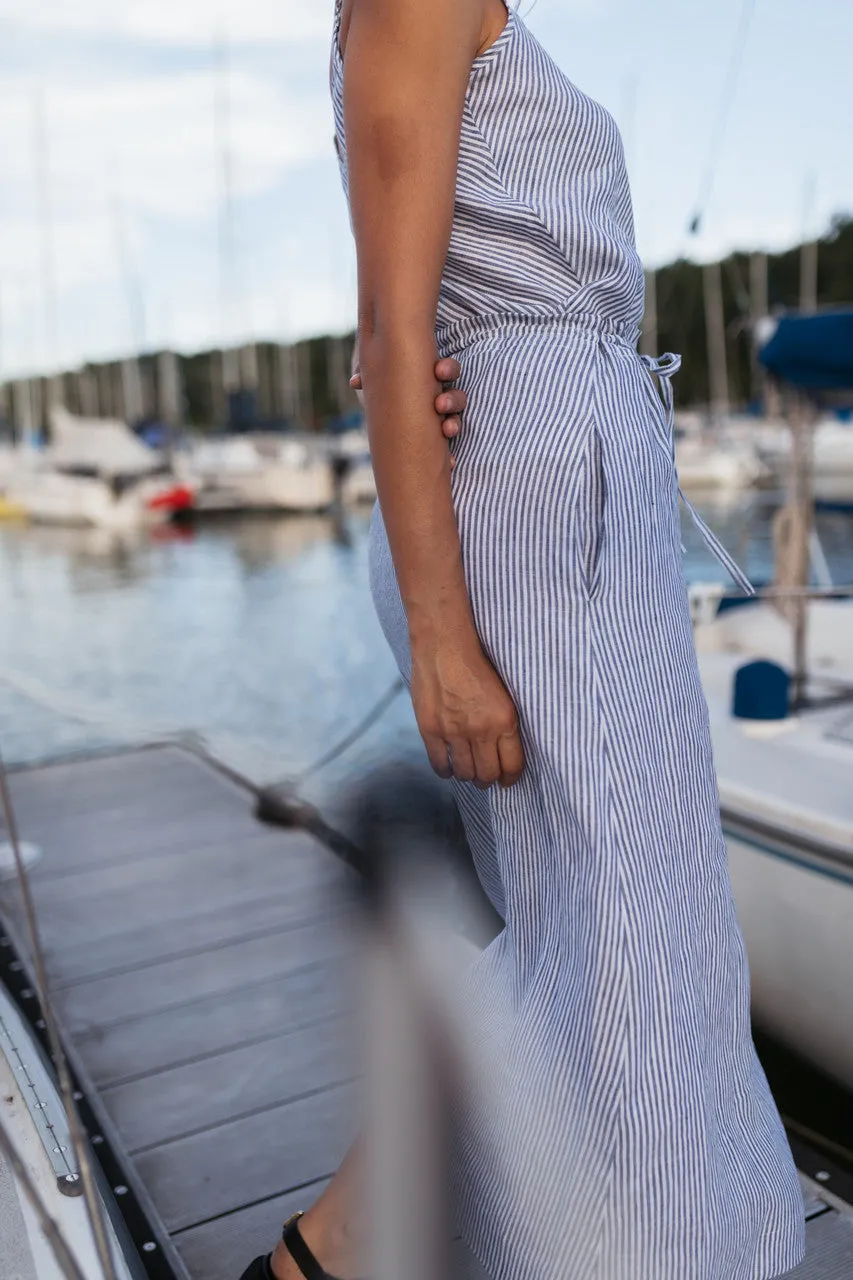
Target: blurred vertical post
[
  {"x": 248, "y": 361},
  {"x": 337, "y": 357},
  {"x": 808, "y": 276},
  {"x": 286, "y": 378},
  {"x": 170, "y": 400},
  {"x": 809, "y": 254},
  {"x": 759, "y": 306},
  {"x": 406, "y": 1123},
  {"x": 649, "y": 335},
  {"x": 34, "y": 408},
  {"x": 803, "y": 508},
  {"x": 132, "y": 396},
  {"x": 304, "y": 384},
  {"x": 792, "y": 529},
  {"x": 715, "y": 326},
  {"x": 87, "y": 392}
]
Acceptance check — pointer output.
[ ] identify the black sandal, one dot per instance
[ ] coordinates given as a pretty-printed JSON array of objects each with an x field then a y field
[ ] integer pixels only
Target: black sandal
[{"x": 261, "y": 1269}]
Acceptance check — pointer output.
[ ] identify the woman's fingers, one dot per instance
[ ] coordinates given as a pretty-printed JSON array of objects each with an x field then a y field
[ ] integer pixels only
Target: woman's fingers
[
  {"x": 462, "y": 759},
  {"x": 448, "y": 370},
  {"x": 486, "y": 763},
  {"x": 453, "y": 402},
  {"x": 451, "y": 405},
  {"x": 436, "y": 749},
  {"x": 482, "y": 762},
  {"x": 511, "y": 754}
]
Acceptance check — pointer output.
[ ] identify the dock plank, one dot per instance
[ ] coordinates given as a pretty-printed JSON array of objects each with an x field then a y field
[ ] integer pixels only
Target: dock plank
[
  {"x": 167, "y": 891},
  {"x": 160, "y": 987},
  {"x": 181, "y": 935},
  {"x": 250, "y": 1159},
  {"x": 238, "y": 1082},
  {"x": 223, "y": 1248},
  {"x": 829, "y": 1249},
  {"x": 136, "y": 1047}
]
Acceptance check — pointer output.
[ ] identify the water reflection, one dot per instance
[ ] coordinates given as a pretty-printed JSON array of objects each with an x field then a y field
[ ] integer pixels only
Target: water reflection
[
  {"x": 260, "y": 542},
  {"x": 257, "y": 634}
]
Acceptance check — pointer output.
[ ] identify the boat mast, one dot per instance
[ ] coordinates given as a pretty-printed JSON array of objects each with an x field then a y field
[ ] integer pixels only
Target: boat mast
[
  {"x": 132, "y": 394},
  {"x": 715, "y": 328},
  {"x": 759, "y": 307},
  {"x": 649, "y": 335},
  {"x": 227, "y": 240},
  {"x": 47, "y": 263}
]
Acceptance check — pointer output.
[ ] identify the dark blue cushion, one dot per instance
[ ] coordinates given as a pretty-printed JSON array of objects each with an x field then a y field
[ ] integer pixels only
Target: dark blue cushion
[{"x": 762, "y": 692}]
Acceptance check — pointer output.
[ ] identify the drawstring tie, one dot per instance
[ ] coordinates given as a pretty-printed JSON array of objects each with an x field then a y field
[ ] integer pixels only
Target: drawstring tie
[{"x": 665, "y": 367}]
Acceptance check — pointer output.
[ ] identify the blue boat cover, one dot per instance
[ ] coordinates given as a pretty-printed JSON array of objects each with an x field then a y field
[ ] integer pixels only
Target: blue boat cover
[{"x": 814, "y": 352}]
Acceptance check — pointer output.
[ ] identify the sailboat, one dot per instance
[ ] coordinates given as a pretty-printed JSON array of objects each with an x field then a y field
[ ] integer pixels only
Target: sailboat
[
  {"x": 718, "y": 464},
  {"x": 258, "y": 471},
  {"x": 786, "y": 772},
  {"x": 95, "y": 473}
]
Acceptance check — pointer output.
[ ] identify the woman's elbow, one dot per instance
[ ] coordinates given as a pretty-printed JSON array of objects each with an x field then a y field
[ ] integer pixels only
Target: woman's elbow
[{"x": 393, "y": 333}]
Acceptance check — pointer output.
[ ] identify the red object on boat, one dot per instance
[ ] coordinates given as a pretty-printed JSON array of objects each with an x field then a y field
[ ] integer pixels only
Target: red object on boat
[{"x": 178, "y": 498}]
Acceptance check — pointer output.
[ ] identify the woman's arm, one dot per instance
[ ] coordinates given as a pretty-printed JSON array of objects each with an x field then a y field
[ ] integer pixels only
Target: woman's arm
[
  {"x": 405, "y": 81},
  {"x": 449, "y": 405}
]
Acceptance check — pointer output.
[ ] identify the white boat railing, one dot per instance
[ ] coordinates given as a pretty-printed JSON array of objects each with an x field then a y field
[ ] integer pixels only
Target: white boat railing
[{"x": 76, "y": 1134}]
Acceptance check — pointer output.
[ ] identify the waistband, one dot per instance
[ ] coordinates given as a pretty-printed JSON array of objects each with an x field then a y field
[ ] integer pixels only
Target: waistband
[
  {"x": 459, "y": 334},
  {"x": 454, "y": 338}
]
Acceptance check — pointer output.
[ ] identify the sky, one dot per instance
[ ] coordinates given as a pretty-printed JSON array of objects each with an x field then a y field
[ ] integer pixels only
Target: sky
[{"x": 110, "y": 173}]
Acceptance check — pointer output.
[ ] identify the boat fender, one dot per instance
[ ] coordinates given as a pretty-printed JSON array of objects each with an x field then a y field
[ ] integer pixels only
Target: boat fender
[{"x": 762, "y": 691}]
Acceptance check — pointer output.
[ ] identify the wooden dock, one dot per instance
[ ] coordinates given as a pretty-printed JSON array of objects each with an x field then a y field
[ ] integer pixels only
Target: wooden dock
[
  {"x": 199, "y": 964},
  {"x": 196, "y": 963}
]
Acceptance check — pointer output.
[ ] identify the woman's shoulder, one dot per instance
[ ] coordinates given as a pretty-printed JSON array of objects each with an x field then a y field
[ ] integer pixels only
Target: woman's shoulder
[{"x": 475, "y": 23}]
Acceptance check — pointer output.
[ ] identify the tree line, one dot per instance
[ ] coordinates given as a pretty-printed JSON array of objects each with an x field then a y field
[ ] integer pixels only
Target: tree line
[{"x": 681, "y": 307}]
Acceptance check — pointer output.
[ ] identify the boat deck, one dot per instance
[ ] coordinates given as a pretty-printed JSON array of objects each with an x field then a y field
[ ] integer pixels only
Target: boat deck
[{"x": 199, "y": 968}]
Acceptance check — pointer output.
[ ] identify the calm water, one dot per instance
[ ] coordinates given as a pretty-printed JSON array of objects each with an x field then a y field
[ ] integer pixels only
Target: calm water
[{"x": 257, "y": 636}]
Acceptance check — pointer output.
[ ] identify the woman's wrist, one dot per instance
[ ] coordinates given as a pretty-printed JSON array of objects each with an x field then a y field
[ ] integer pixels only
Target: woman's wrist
[{"x": 451, "y": 626}]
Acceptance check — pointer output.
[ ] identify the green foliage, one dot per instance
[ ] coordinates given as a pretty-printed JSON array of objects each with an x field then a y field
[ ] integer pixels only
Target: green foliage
[{"x": 681, "y": 308}]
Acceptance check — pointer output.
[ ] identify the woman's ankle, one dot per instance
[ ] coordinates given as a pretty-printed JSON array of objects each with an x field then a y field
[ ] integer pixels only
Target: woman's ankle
[{"x": 331, "y": 1244}]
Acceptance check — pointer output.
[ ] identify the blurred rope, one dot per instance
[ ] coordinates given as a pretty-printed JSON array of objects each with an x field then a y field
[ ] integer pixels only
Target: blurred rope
[
  {"x": 374, "y": 715},
  {"x": 131, "y": 730}
]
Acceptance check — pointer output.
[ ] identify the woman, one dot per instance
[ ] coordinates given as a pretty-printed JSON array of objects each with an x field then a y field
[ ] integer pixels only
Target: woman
[{"x": 535, "y": 599}]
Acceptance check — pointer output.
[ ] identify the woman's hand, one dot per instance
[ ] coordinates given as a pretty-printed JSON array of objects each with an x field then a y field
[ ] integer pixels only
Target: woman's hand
[
  {"x": 450, "y": 404},
  {"x": 465, "y": 715}
]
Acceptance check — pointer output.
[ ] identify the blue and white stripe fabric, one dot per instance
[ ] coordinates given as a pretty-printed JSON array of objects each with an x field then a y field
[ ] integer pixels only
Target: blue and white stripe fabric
[{"x": 616, "y": 1000}]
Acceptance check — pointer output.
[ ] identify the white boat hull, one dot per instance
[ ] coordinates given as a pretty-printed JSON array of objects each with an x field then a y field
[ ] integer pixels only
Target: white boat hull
[
  {"x": 259, "y": 474},
  {"x": 797, "y": 921},
  {"x": 24, "y": 1246},
  {"x": 48, "y": 497},
  {"x": 359, "y": 485},
  {"x": 709, "y": 465},
  {"x": 786, "y": 790},
  {"x": 95, "y": 473}
]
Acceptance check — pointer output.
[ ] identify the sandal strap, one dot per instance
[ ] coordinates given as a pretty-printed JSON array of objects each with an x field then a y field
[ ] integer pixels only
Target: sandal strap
[{"x": 299, "y": 1251}]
